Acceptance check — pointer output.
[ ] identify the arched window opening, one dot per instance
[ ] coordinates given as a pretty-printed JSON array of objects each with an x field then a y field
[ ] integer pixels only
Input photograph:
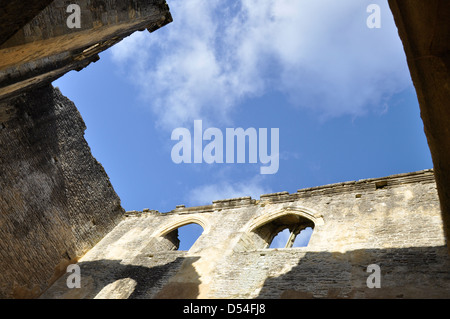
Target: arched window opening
[
  {"x": 182, "y": 238},
  {"x": 287, "y": 238},
  {"x": 287, "y": 231},
  {"x": 303, "y": 237},
  {"x": 280, "y": 240}
]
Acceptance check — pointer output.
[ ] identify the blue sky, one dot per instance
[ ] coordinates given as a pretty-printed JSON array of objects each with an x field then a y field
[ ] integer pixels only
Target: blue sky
[{"x": 339, "y": 92}]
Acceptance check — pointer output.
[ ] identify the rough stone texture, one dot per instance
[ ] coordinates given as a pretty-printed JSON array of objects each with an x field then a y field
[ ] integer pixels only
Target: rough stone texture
[
  {"x": 15, "y": 14},
  {"x": 45, "y": 48},
  {"x": 394, "y": 222},
  {"x": 424, "y": 29},
  {"x": 56, "y": 201}
]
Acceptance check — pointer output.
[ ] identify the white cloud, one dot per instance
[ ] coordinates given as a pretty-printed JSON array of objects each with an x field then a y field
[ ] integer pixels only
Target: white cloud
[
  {"x": 215, "y": 54},
  {"x": 223, "y": 189}
]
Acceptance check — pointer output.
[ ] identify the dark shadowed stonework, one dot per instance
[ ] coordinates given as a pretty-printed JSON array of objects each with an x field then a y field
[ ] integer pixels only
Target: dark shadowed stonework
[
  {"x": 424, "y": 29},
  {"x": 45, "y": 48},
  {"x": 56, "y": 200},
  {"x": 14, "y": 14}
]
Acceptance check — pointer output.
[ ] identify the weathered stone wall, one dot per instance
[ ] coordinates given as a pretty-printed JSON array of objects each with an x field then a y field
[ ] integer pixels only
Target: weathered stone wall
[
  {"x": 56, "y": 201},
  {"x": 393, "y": 222},
  {"x": 425, "y": 32},
  {"x": 46, "y": 48},
  {"x": 14, "y": 14}
]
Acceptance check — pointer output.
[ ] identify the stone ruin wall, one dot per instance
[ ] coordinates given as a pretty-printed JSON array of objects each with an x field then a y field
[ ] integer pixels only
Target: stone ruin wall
[
  {"x": 56, "y": 200},
  {"x": 393, "y": 222},
  {"x": 45, "y": 48}
]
